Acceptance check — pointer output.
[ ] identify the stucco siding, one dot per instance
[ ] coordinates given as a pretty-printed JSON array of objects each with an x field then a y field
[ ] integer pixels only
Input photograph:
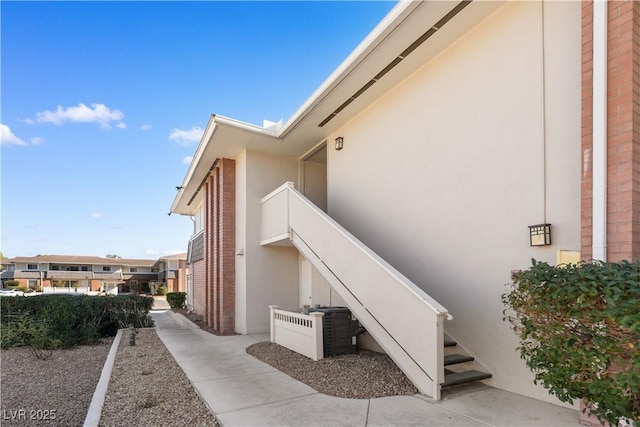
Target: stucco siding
[
  {"x": 265, "y": 275},
  {"x": 443, "y": 174}
]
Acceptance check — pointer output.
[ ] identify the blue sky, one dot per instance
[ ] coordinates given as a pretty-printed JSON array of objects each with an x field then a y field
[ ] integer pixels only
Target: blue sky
[{"x": 103, "y": 103}]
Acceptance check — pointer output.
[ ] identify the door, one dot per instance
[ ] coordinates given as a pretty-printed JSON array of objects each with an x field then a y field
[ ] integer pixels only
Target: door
[
  {"x": 314, "y": 177},
  {"x": 306, "y": 280}
]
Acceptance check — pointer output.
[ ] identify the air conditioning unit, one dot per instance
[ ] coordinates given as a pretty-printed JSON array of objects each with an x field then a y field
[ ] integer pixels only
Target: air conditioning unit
[{"x": 339, "y": 330}]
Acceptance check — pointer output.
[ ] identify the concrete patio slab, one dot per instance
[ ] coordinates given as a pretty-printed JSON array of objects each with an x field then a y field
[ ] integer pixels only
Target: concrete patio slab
[
  {"x": 236, "y": 346},
  {"x": 231, "y": 394},
  {"x": 500, "y": 408},
  {"x": 243, "y": 391},
  {"x": 205, "y": 368},
  {"x": 314, "y": 411},
  {"x": 405, "y": 411}
]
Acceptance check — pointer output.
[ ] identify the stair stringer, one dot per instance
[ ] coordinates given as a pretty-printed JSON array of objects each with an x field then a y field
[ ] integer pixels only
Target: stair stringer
[
  {"x": 412, "y": 369},
  {"x": 406, "y": 321}
]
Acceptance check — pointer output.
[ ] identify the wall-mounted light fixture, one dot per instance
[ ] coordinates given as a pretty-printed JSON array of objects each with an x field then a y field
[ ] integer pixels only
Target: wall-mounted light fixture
[
  {"x": 339, "y": 142},
  {"x": 540, "y": 235}
]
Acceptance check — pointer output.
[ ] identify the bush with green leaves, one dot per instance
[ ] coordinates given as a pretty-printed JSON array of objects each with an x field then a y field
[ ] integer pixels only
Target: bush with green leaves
[
  {"x": 579, "y": 328},
  {"x": 176, "y": 299},
  {"x": 69, "y": 320},
  {"x": 10, "y": 283},
  {"x": 161, "y": 290}
]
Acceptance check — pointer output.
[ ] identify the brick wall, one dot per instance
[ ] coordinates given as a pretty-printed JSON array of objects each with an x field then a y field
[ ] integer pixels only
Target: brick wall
[
  {"x": 199, "y": 285},
  {"x": 587, "y": 129},
  {"x": 227, "y": 246},
  {"x": 623, "y": 130},
  {"x": 219, "y": 247}
]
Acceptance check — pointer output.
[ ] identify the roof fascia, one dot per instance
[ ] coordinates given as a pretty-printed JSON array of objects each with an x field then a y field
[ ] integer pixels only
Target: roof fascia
[
  {"x": 207, "y": 139},
  {"x": 376, "y": 37}
]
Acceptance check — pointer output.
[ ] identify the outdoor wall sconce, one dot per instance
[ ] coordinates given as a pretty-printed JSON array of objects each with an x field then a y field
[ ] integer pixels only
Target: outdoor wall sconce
[
  {"x": 339, "y": 141},
  {"x": 540, "y": 235}
]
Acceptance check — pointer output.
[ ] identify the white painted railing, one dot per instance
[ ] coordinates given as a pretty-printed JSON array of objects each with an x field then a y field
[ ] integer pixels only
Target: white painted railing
[
  {"x": 298, "y": 332},
  {"x": 65, "y": 290},
  {"x": 402, "y": 318}
]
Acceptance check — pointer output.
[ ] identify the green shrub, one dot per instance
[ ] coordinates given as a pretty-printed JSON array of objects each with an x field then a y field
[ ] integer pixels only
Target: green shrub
[
  {"x": 176, "y": 299},
  {"x": 161, "y": 290},
  {"x": 69, "y": 320},
  {"x": 579, "y": 328},
  {"x": 22, "y": 288},
  {"x": 10, "y": 283}
]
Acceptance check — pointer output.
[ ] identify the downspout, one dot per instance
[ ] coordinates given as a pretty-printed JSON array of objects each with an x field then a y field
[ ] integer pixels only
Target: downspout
[{"x": 599, "y": 146}]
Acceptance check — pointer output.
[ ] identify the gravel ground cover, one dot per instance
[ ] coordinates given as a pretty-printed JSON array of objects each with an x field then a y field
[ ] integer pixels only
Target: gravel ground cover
[
  {"x": 148, "y": 388},
  {"x": 52, "y": 391},
  {"x": 362, "y": 375}
]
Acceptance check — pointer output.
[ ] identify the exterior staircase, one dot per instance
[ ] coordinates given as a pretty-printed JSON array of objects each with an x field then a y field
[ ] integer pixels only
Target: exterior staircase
[
  {"x": 453, "y": 378},
  {"x": 410, "y": 330}
]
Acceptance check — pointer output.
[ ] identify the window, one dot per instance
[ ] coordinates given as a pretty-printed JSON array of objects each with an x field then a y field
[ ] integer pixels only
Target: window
[
  {"x": 84, "y": 268},
  {"x": 154, "y": 270},
  {"x": 55, "y": 267},
  {"x": 32, "y": 266},
  {"x": 133, "y": 269},
  {"x": 106, "y": 268},
  {"x": 32, "y": 283}
]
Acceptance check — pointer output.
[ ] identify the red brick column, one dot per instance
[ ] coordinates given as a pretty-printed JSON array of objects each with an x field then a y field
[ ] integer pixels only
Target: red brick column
[
  {"x": 220, "y": 233},
  {"x": 587, "y": 130},
  {"x": 623, "y": 130},
  {"x": 208, "y": 249},
  {"x": 227, "y": 246}
]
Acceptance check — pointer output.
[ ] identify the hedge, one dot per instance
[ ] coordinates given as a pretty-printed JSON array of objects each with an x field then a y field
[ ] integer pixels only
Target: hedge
[
  {"x": 176, "y": 299},
  {"x": 62, "y": 321},
  {"x": 579, "y": 328}
]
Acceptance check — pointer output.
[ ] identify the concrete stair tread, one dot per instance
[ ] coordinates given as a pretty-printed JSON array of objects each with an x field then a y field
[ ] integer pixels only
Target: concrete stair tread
[
  {"x": 457, "y": 378},
  {"x": 448, "y": 343},
  {"x": 452, "y": 359}
]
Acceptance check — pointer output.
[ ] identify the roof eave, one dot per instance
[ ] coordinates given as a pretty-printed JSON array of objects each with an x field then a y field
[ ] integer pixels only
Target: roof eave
[{"x": 213, "y": 146}]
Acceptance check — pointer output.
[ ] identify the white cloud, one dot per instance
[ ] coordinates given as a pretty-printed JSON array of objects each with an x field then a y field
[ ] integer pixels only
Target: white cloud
[
  {"x": 186, "y": 137},
  {"x": 121, "y": 125},
  {"x": 37, "y": 140},
  {"x": 27, "y": 121},
  {"x": 9, "y": 138},
  {"x": 96, "y": 215},
  {"x": 146, "y": 127},
  {"x": 97, "y": 113},
  {"x": 151, "y": 252},
  {"x": 187, "y": 160}
]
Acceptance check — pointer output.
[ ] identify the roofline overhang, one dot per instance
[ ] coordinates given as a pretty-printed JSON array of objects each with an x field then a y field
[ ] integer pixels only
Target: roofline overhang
[
  {"x": 302, "y": 130},
  {"x": 206, "y": 159},
  {"x": 377, "y": 36}
]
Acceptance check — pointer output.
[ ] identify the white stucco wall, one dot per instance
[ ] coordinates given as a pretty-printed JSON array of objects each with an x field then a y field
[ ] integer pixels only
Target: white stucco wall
[
  {"x": 442, "y": 175},
  {"x": 265, "y": 275}
]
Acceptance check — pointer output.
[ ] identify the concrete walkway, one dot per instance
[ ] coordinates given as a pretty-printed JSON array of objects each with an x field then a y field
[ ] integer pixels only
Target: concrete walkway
[{"x": 242, "y": 391}]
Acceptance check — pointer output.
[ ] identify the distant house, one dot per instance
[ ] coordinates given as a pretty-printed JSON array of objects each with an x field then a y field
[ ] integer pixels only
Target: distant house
[
  {"x": 86, "y": 273},
  {"x": 455, "y": 143},
  {"x": 173, "y": 272}
]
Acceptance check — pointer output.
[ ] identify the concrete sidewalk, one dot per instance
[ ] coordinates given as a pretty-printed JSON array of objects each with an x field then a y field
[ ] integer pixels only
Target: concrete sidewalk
[{"x": 242, "y": 391}]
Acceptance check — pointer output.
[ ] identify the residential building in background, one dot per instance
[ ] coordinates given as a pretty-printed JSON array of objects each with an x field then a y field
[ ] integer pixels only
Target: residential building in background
[
  {"x": 49, "y": 273},
  {"x": 173, "y": 271}
]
